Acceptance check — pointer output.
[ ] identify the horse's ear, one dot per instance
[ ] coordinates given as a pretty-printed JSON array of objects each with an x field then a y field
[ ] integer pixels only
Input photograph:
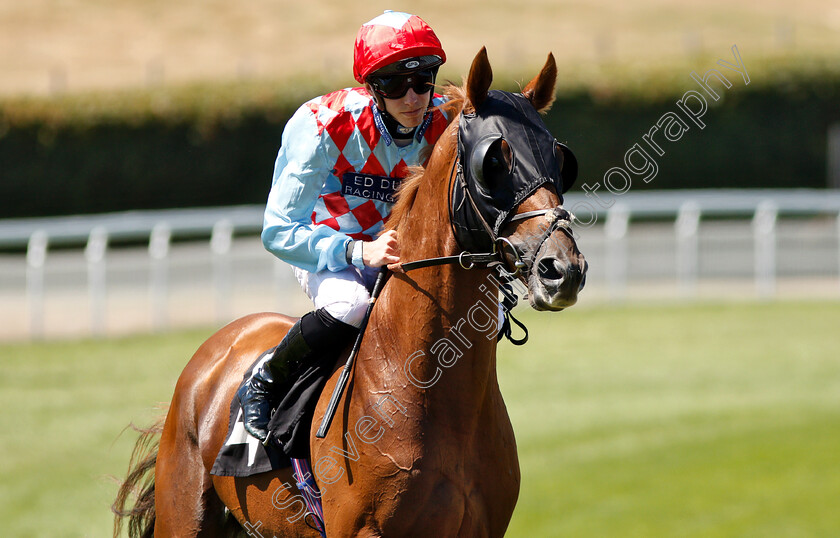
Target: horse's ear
[
  {"x": 540, "y": 91},
  {"x": 479, "y": 79}
]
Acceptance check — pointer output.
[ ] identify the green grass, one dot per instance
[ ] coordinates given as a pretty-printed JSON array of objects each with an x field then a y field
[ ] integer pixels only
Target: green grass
[
  {"x": 718, "y": 420},
  {"x": 703, "y": 420},
  {"x": 64, "y": 407}
]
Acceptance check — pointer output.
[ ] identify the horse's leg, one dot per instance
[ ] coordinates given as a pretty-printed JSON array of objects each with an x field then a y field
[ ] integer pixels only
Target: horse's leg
[
  {"x": 267, "y": 504},
  {"x": 185, "y": 502}
]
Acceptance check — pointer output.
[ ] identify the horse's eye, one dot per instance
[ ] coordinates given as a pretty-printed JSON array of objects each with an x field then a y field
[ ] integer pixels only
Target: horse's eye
[
  {"x": 568, "y": 165},
  {"x": 497, "y": 162},
  {"x": 485, "y": 159}
]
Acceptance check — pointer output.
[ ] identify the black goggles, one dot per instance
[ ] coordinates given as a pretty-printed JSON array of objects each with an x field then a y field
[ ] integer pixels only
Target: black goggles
[{"x": 396, "y": 86}]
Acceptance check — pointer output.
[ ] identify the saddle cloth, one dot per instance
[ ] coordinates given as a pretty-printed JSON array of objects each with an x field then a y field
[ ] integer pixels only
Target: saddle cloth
[{"x": 244, "y": 455}]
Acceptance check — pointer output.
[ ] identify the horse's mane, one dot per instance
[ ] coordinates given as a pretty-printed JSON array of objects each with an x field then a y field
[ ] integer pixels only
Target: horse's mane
[{"x": 456, "y": 100}]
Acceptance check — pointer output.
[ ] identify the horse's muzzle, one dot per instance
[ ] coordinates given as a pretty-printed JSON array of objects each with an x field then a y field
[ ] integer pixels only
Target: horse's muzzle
[{"x": 556, "y": 278}]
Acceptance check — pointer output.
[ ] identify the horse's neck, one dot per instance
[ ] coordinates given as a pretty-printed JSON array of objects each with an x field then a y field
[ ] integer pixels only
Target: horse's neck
[{"x": 445, "y": 316}]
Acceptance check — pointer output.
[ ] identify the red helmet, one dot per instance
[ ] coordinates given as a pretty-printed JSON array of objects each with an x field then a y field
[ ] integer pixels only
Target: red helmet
[{"x": 391, "y": 37}]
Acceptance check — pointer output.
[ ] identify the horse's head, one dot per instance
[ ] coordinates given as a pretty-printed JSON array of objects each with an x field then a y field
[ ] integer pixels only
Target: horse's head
[{"x": 511, "y": 176}]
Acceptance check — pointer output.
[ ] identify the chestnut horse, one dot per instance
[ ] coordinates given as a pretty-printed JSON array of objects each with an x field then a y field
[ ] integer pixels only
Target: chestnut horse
[{"x": 421, "y": 444}]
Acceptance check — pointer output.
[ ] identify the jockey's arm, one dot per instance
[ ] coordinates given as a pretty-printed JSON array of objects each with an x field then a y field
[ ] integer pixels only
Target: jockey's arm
[{"x": 300, "y": 171}]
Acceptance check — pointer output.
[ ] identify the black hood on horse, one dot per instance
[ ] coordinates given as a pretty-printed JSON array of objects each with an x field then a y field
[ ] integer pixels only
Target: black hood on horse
[{"x": 482, "y": 197}]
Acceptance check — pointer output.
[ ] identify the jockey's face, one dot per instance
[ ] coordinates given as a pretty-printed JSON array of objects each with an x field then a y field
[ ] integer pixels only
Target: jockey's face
[{"x": 409, "y": 109}]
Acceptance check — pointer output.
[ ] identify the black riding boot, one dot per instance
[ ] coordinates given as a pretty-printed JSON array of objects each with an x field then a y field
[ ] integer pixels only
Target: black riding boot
[{"x": 313, "y": 334}]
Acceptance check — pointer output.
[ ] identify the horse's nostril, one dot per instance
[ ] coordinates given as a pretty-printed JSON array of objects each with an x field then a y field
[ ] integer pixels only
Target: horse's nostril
[{"x": 549, "y": 269}]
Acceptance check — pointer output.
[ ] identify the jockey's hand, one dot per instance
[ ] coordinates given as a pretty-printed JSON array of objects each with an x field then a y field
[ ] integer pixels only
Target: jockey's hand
[{"x": 383, "y": 250}]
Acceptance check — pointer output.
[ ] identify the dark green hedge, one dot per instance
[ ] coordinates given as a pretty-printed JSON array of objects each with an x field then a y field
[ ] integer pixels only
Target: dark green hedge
[
  {"x": 113, "y": 167},
  {"x": 58, "y": 160},
  {"x": 754, "y": 137}
]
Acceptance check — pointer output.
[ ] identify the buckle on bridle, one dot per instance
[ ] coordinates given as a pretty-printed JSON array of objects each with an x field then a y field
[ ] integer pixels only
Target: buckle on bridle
[{"x": 518, "y": 264}]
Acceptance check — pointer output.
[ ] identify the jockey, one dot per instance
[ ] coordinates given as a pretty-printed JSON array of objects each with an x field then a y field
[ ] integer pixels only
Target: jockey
[{"x": 341, "y": 157}]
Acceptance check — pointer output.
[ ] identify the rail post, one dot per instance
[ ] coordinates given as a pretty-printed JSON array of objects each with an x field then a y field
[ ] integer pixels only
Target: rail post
[
  {"x": 688, "y": 246},
  {"x": 764, "y": 240},
  {"x": 615, "y": 229},
  {"x": 159, "y": 241},
  {"x": 221, "y": 241},
  {"x": 95, "y": 251},
  {"x": 36, "y": 258}
]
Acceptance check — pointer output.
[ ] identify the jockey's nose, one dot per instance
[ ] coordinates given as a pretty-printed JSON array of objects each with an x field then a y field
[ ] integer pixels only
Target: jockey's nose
[{"x": 411, "y": 96}]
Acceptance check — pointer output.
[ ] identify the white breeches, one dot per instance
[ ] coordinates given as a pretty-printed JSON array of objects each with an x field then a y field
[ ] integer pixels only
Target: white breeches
[{"x": 343, "y": 294}]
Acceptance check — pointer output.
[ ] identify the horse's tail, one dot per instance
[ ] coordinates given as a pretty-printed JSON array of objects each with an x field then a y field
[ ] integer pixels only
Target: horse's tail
[{"x": 139, "y": 485}]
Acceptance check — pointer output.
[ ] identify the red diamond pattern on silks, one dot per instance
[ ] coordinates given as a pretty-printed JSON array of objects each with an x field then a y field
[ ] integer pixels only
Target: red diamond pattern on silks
[
  {"x": 332, "y": 223},
  {"x": 313, "y": 107},
  {"x": 436, "y": 127},
  {"x": 342, "y": 166},
  {"x": 373, "y": 167},
  {"x": 335, "y": 100},
  {"x": 336, "y": 204},
  {"x": 361, "y": 237},
  {"x": 367, "y": 127},
  {"x": 339, "y": 123},
  {"x": 367, "y": 215},
  {"x": 401, "y": 170},
  {"x": 340, "y": 132}
]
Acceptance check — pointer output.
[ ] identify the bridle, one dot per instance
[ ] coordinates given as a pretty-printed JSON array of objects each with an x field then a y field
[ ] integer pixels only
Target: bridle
[
  {"x": 509, "y": 270},
  {"x": 556, "y": 218}
]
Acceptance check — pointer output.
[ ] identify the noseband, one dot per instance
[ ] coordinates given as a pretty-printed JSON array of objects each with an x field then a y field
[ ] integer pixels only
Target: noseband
[{"x": 556, "y": 218}]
